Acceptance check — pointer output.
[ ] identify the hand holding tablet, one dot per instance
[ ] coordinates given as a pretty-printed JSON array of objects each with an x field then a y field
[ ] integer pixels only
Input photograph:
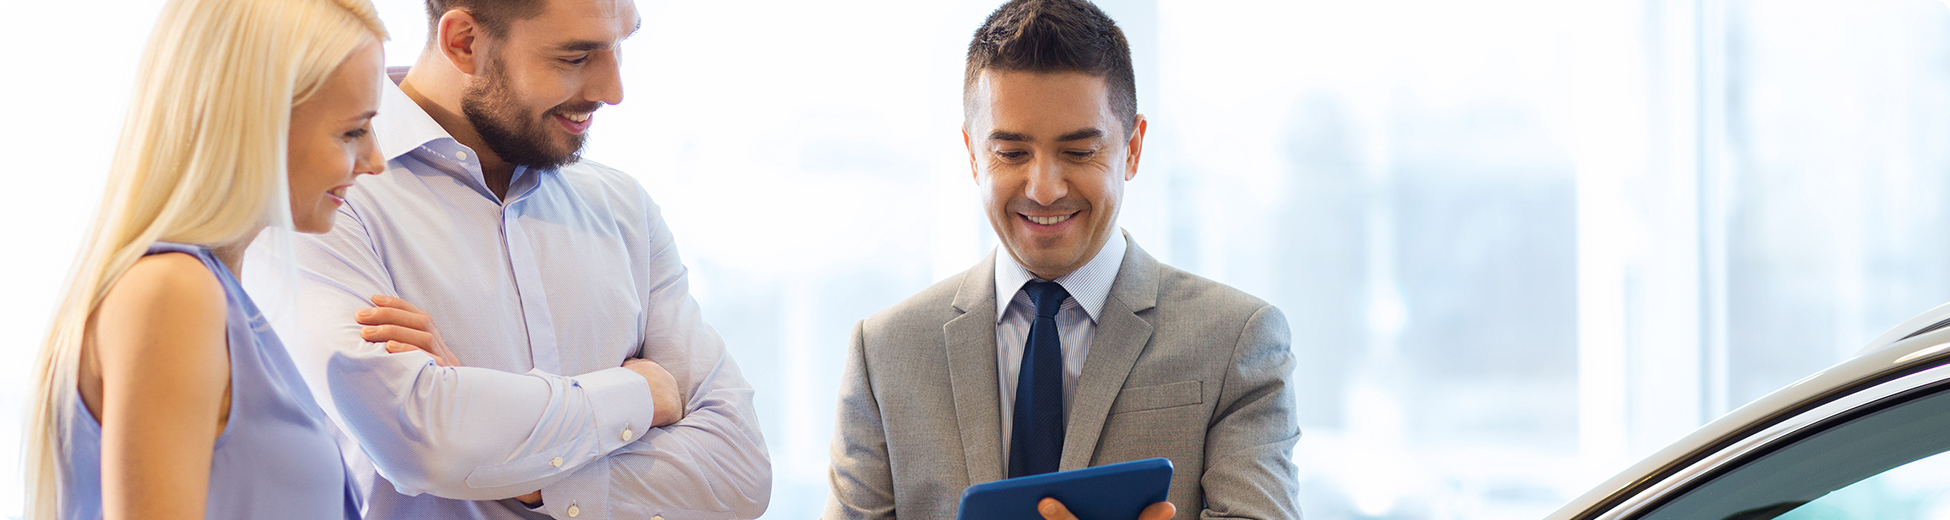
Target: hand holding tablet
[
  {"x": 1054, "y": 510},
  {"x": 1122, "y": 491}
]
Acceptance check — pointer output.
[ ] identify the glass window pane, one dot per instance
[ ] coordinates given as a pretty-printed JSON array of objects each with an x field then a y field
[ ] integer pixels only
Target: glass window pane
[
  {"x": 1844, "y": 451},
  {"x": 1918, "y": 489}
]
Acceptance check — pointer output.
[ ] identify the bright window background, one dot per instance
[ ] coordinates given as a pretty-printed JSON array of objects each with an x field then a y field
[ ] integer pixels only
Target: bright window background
[{"x": 1521, "y": 242}]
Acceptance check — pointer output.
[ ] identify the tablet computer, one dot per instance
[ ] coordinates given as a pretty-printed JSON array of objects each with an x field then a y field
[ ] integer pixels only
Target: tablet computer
[{"x": 1110, "y": 492}]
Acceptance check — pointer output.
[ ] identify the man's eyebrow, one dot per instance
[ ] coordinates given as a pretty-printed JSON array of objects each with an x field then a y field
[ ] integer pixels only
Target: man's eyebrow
[
  {"x": 1087, "y": 133},
  {"x": 582, "y": 46},
  {"x": 999, "y": 135}
]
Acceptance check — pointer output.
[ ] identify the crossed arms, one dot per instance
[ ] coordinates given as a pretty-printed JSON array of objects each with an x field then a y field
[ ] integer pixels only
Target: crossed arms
[{"x": 591, "y": 440}]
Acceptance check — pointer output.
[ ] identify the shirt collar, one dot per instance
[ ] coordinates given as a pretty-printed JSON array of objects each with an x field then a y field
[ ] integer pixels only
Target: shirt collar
[
  {"x": 1088, "y": 285},
  {"x": 404, "y": 128}
]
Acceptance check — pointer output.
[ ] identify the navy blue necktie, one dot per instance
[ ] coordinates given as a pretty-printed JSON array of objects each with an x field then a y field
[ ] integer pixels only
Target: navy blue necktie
[{"x": 1036, "y": 436}]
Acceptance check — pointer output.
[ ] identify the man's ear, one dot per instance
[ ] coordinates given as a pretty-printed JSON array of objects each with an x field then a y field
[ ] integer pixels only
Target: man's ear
[
  {"x": 1136, "y": 147},
  {"x": 459, "y": 41},
  {"x": 970, "y": 145}
]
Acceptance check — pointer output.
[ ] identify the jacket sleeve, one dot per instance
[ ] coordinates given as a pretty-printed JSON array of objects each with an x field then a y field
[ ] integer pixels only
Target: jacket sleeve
[
  {"x": 862, "y": 483},
  {"x": 1249, "y": 470}
]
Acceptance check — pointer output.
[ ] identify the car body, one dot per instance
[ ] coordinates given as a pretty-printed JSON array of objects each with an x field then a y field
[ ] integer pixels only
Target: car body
[{"x": 1858, "y": 440}]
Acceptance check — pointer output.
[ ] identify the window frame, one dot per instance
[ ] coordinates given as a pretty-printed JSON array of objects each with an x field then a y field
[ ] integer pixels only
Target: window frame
[{"x": 1922, "y": 372}]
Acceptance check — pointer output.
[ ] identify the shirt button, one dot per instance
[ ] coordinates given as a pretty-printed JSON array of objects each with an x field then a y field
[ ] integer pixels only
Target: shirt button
[
  {"x": 573, "y": 510},
  {"x": 460, "y": 155},
  {"x": 627, "y": 434},
  {"x": 555, "y": 462},
  {"x": 658, "y": 517}
]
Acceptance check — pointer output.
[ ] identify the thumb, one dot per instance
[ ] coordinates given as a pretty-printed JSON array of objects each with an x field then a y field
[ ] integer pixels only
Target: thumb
[
  {"x": 1054, "y": 510},
  {"x": 1158, "y": 511}
]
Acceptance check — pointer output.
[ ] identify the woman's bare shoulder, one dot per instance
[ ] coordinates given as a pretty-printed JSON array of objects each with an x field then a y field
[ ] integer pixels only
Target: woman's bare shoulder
[{"x": 162, "y": 296}]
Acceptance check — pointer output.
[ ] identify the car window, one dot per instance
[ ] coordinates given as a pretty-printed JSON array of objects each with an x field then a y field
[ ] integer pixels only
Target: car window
[
  {"x": 1876, "y": 462},
  {"x": 1917, "y": 490}
]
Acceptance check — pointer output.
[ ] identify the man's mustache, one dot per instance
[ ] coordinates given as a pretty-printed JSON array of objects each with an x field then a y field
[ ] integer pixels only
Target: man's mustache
[{"x": 576, "y": 108}]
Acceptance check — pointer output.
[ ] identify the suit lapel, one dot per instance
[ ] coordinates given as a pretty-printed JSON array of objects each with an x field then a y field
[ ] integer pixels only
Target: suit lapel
[
  {"x": 970, "y": 339},
  {"x": 1121, "y": 337}
]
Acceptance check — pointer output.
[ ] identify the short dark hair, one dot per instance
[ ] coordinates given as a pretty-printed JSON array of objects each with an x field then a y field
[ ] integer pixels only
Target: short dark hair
[
  {"x": 493, "y": 15},
  {"x": 1054, "y": 36}
]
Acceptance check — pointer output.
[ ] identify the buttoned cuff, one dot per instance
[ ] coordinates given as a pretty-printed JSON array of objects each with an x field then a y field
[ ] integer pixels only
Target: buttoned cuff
[
  {"x": 622, "y": 405},
  {"x": 584, "y": 494}
]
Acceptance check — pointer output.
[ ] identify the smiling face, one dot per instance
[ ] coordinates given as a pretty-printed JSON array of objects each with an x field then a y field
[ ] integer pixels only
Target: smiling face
[
  {"x": 1052, "y": 159},
  {"x": 331, "y": 139},
  {"x": 535, "y": 95}
]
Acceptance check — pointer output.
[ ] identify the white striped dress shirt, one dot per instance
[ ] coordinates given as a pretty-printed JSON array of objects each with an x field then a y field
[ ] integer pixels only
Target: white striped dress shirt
[{"x": 1076, "y": 323}]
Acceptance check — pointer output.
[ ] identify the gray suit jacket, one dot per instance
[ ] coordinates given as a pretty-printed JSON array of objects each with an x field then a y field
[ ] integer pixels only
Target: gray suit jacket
[{"x": 1182, "y": 367}]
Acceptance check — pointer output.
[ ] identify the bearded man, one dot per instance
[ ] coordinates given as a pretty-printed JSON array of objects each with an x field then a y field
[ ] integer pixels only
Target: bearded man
[{"x": 571, "y": 374}]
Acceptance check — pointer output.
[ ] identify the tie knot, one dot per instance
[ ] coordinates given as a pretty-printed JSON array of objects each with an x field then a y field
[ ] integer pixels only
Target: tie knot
[{"x": 1048, "y": 297}]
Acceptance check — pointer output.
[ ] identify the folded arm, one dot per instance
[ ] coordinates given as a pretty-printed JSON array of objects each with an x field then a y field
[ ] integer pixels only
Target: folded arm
[
  {"x": 590, "y": 441},
  {"x": 455, "y": 432},
  {"x": 713, "y": 462},
  {"x": 713, "y": 465},
  {"x": 710, "y": 464}
]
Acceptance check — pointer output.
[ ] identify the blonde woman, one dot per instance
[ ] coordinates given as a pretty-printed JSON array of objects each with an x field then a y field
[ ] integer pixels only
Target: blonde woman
[{"x": 161, "y": 391}]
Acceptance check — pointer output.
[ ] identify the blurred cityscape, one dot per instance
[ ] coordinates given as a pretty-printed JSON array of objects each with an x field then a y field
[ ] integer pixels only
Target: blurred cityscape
[{"x": 1521, "y": 243}]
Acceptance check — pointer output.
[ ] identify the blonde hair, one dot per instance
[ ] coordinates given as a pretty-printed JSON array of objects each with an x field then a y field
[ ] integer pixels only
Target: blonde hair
[{"x": 201, "y": 160}]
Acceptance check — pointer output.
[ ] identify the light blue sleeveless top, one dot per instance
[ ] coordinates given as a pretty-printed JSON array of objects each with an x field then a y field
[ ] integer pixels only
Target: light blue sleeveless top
[{"x": 276, "y": 456}]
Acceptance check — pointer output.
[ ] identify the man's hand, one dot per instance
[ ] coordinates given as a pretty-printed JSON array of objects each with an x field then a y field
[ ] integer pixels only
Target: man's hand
[
  {"x": 531, "y": 500},
  {"x": 403, "y": 328},
  {"x": 664, "y": 393},
  {"x": 1054, "y": 510}
]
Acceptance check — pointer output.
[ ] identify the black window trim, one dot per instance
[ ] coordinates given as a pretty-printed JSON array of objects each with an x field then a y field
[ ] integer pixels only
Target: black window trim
[
  {"x": 1812, "y": 429},
  {"x": 1622, "y": 495}
]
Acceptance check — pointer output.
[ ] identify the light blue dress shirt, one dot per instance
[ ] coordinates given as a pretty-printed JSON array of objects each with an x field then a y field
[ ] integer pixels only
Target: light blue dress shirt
[
  {"x": 542, "y": 297},
  {"x": 1076, "y": 322}
]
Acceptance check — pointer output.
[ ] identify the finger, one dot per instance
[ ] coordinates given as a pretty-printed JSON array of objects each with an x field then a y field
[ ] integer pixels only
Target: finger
[
  {"x": 635, "y": 361},
  {"x": 396, "y": 347},
  {"x": 388, "y": 301},
  {"x": 444, "y": 358},
  {"x": 1158, "y": 511},
  {"x": 1054, "y": 510},
  {"x": 382, "y": 333},
  {"x": 392, "y": 316}
]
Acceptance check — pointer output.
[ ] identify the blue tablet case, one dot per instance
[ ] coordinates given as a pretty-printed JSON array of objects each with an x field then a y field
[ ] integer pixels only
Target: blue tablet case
[{"x": 1109, "y": 492}]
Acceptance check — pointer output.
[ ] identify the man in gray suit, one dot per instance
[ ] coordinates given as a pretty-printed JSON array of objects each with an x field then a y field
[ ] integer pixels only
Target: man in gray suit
[{"x": 1076, "y": 348}]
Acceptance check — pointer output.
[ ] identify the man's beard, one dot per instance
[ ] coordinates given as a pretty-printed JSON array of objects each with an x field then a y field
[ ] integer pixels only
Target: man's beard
[{"x": 491, "y": 107}]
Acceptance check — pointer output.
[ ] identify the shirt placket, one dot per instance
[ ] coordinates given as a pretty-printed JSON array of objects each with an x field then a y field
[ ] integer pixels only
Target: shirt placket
[{"x": 535, "y": 314}]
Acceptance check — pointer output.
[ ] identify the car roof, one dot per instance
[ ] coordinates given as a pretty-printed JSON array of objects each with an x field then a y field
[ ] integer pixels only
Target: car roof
[{"x": 1916, "y": 344}]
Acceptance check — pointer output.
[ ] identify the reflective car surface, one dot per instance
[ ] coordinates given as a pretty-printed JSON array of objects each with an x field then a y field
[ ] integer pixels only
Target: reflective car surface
[{"x": 1863, "y": 439}]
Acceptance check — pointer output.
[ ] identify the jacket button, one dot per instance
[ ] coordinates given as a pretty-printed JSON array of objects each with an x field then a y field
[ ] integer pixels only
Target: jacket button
[{"x": 573, "y": 510}]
